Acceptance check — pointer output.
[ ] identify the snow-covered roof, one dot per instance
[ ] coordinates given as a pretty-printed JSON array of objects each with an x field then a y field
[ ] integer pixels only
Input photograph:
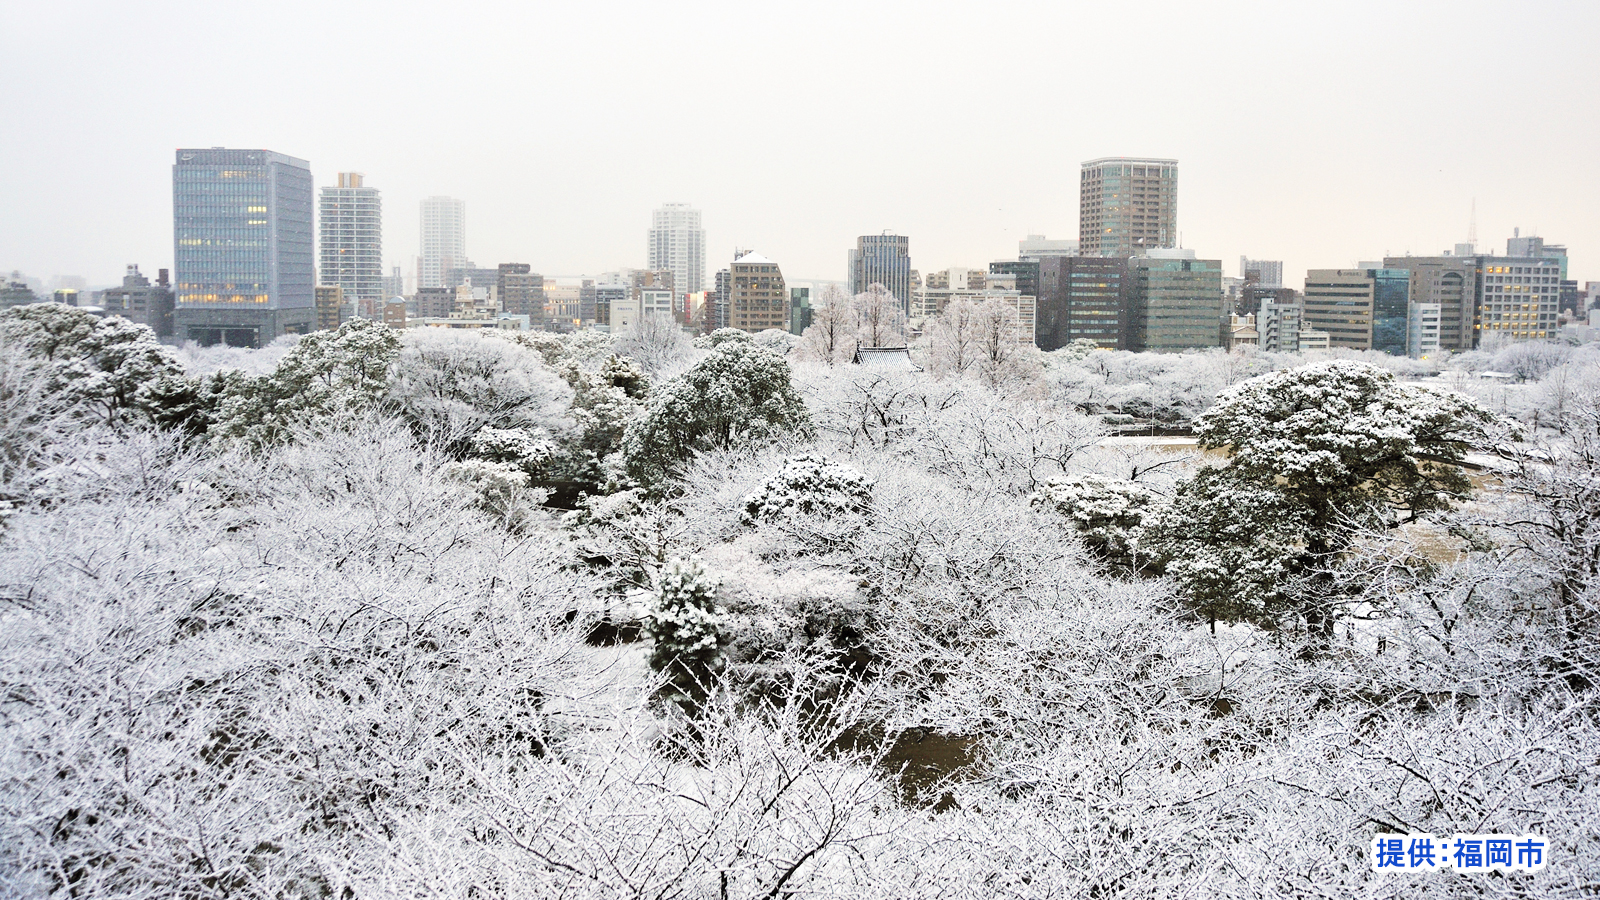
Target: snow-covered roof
[
  {"x": 755, "y": 258},
  {"x": 896, "y": 359}
]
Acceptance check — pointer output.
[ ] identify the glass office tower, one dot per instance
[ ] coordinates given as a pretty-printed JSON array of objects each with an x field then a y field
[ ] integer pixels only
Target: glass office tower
[
  {"x": 242, "y": 255},
  {"x": 1391, "y": 301}
]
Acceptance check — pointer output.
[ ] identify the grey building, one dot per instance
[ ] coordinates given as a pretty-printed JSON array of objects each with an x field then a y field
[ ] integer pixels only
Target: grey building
[
  {"x": 1268, "y": 273},
  {"x": 1278, "y": 319},
  {"x": 243, "y": 246},
  {"x": 350, "y": 242},
  {"x": 1175, "y": 302},
  {"x": 882, "y": 259},
  {"x": 1081, "y": 298}
]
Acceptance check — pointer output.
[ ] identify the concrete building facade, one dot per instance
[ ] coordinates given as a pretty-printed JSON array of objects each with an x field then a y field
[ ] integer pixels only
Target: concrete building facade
[{"x": 757, "y": 296}]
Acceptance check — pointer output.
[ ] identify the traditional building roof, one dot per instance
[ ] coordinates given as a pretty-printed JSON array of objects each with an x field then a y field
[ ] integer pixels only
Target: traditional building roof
[{"x": 894, "y": 359}]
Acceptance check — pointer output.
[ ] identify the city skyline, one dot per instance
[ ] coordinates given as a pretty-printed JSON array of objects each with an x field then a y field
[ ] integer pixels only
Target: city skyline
[{"x": 573, "y": 195}]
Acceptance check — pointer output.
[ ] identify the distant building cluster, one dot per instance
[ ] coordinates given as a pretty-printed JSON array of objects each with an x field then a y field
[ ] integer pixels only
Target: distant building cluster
[{"x": 257, "y": 256}]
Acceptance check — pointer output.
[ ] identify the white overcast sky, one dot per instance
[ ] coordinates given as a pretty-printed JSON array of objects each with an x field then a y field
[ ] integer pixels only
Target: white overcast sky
[{"x": 1317, "y": 134}]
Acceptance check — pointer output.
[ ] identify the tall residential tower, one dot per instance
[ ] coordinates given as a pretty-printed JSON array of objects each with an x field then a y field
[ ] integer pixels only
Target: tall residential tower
[
  {"x": 444, "y": 240},
  {"x": 678, "y": 243},
  {"x": 350, "y": 232},
  {"x": 242, "y": 246},
  {"x": 1127, "y": 206}
]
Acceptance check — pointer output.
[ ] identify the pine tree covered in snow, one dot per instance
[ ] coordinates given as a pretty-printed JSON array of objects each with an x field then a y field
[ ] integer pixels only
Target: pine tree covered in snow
[{"x": 686, "y": 632}]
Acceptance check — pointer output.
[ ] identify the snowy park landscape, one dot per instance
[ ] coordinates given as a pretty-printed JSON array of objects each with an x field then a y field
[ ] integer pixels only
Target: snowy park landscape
[{"x": 437, "y": 613}]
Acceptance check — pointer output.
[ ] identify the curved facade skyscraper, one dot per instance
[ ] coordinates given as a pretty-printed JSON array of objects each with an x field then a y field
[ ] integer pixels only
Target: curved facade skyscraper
[{"x": 882, "y": 259}]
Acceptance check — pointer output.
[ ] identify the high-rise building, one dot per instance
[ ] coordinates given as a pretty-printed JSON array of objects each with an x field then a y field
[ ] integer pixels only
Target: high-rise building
[
  {"x": 882, "y": 259},
  {"x": 242, "y": 255},
  {"x": 1082, "y": 298},
  {"x": 1175, "y": 302},
  {"x": 1268, "y": 273},
  {"x": 1127, "y": 206},
  {"x": 1360, "y": 309},
  {"x": 444, "y": 240},
  {"x": 678, "y": 243},
  {"x": 757, "y": 298},
  {"x": 350, "y": 232}
]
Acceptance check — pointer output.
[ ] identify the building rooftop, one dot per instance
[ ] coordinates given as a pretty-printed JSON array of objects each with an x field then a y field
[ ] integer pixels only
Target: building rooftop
[
  {"x": 754, "y": 259},
  {"x": 895, "y": 359}
]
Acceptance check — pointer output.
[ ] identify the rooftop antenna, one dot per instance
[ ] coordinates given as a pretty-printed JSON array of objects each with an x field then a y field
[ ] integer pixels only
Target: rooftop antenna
[{"x": 1472, "y": 225}]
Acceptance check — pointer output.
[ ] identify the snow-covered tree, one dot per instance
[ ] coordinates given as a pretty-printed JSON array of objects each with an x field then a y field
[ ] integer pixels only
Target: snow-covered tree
[
  {"x": 686, "y": 632},
  {"x": 880, "y": 318},
  {"x": 109, "y": 365},
  {"x": 739, "y": 395},
  {"x": 831, "y": 336},
  {"x": 1319, "y": 454},
  {"x": 657, "y": 343},
  {"x": 328, "y": 378},
  {"x": 450, "y": 384}
]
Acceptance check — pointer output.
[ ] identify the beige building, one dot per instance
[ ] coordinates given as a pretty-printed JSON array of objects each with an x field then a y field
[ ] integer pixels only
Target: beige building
[
  {"x": 1339, "y": 302},
  {"x": 757, "y": 297},
  {"x": 330, "y": 306}
]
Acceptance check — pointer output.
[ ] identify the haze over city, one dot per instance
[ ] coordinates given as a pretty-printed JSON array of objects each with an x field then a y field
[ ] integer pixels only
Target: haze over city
[{"x": 1318, "y": 138}]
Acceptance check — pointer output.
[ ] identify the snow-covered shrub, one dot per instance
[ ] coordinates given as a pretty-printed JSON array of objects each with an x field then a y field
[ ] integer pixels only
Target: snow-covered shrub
[
  {"x": 1106, "y": 511},
  {"x": 809, "y": 485},
  {"x": 521, "y": 447},
  {"x": 504, "y": 490},
  {"x": 686, "y": 630}
]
